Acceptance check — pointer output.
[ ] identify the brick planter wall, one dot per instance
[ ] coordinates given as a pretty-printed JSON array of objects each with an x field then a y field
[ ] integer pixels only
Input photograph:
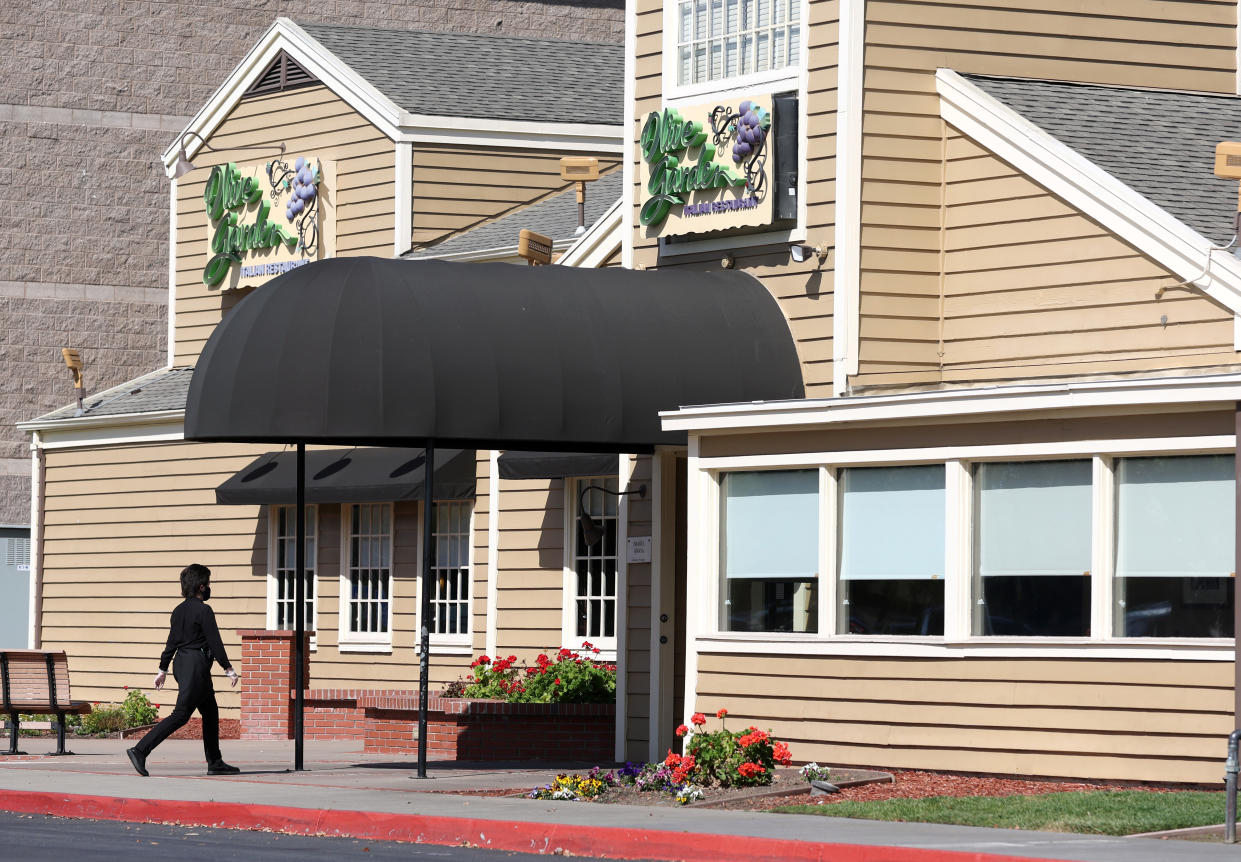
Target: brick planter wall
[
  {"x": 266, "y": 682},
  {"x": 387, "y": 720},
  {"x": 462, "y": 729}
]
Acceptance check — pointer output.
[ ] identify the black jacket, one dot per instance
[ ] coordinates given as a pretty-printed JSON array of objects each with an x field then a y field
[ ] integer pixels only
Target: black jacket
[{"x": 193, "y": 627}]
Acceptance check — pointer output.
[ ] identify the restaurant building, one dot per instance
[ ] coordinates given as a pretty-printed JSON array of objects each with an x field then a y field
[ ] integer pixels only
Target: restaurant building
[{"x": 995, "y": 529}]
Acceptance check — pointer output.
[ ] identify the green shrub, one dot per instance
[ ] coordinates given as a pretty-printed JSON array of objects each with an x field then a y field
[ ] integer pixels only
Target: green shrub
[
  {"x": 103, "y": 719},
  {"x": 138, "y": 709}
]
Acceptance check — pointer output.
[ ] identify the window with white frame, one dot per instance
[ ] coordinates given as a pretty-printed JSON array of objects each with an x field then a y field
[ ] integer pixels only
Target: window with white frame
[
  {"x": 450, "y": 570},
  {"x": 769, "y": 551},
  {"x": 1033, "y": 548},
  {"x": 721, "y": 39},
  {"x": 594, "y": 565},
  {"x": 282, "y": 565},
  {"x": 366, "y": 594},
  {"x": 1101, "y": 547},
  {"x": 1175, "y": 546},
  {"x": 891, "y": 551}
]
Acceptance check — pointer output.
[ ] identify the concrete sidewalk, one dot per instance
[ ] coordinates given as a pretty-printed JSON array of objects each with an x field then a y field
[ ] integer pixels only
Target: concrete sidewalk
[{"x": 344, "y": 792}]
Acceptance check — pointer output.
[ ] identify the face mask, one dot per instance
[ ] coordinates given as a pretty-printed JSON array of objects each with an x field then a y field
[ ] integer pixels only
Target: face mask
[{"x": 206, "y": 593}]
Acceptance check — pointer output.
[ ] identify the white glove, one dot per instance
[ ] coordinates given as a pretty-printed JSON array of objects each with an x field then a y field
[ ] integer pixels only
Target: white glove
[
  {"x": 233, "y": 676},
  {"x": 160, "y": 676}
]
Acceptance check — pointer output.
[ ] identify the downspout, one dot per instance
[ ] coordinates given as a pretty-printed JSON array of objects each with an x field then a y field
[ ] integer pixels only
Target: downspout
[{"x": 38, "y": 476}]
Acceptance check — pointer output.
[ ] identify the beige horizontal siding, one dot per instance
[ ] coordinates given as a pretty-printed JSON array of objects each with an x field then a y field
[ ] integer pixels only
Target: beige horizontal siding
[
  {"x": 456, "y": 188},
  {"x": 530, "y": 567},
  {"x": 121, "y": 522},
  {"x": 1089, "y": 718},
  {"x": 996, "y": 433},
  {"x": 939, "y": 212},
  {"x": 312, "y": 121}
]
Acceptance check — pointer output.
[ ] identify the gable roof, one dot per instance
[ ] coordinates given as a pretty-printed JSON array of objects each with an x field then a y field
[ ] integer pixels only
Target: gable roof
[
  {"x": 1097, "y": 183},
  {"x": 554, "y": 216},
  {"x": 1160, "y": 143},
  {"x": 442, "y": 87},
  {"x": 490, "y": 77}
]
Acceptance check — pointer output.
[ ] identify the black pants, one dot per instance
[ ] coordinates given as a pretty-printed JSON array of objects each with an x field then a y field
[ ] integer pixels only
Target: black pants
[{"x": 192, "y": 669}]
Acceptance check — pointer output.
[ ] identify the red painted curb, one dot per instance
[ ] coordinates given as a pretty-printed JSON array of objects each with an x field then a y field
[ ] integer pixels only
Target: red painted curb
[{"x": 519, "y": 836}]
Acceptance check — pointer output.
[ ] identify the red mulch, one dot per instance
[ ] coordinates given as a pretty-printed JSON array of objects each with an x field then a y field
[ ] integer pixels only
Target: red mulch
[
  {"x": 920, "y": 785},
  {"x": 230, "y": 728}
]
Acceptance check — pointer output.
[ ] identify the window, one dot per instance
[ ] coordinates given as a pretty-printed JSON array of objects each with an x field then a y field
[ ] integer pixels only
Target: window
[
  {"x": 1175, "y": 534},
  {"x": 450, "y": 570},
  {"x": 367, "y": 584},
  {"x": 769, "y": 549},
  {"x": 720, "y": 39},
  {"x": 283, "y": 568},
  {"x": 594, "y": 567},
  {"x": 1034, "y": 549},
  {"x": 892, "y": 551}
]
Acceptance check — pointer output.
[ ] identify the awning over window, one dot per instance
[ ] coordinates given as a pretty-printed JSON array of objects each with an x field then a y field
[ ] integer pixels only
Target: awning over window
[
  {"x": 556, "y": 465},
  {"x": 351, "y": 476},
  {"x": 374, "y": 351}
]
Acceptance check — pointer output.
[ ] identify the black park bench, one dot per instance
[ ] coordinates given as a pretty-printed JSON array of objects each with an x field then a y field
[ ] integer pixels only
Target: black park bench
[{"x": 36, "y": 681}]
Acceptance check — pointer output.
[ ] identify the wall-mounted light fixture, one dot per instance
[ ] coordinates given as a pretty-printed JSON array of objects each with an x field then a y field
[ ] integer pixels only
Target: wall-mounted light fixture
[
  {"x": 592, "y": 532},
  {"x": 728, "y": 261},
  {"x": 580, "y": 170},
  {"x": 73, "y": 360},
  {"x": 183, "y": 164},
  {"x": 800, "y": 252}
]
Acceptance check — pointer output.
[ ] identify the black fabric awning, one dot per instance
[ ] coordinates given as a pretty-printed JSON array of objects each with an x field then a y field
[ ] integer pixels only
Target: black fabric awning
[
  {"x": 374, "y": 351},
  {"x": 556, "y": 465},
  {"x": 351, "y": 476}
]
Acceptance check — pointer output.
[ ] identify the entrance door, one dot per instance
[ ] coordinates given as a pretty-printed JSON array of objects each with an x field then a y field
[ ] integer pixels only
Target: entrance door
[{"x": 668, "y": 697}]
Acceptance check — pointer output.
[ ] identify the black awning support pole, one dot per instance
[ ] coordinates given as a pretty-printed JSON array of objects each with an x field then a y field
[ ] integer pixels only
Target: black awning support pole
[
  {"x": 424, "y": 605},
  {"x": 299, "y": 610}
]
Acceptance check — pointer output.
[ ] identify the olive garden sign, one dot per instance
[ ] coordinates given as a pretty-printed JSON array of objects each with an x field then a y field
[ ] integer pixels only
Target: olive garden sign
[{"x": 705, "y": 168}]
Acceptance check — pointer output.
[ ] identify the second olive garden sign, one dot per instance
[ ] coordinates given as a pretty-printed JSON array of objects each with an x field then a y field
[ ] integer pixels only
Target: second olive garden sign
[{"x": 705, "y": 168}]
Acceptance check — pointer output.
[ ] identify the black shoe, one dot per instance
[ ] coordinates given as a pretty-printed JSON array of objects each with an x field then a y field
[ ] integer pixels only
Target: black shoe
[
  {"x": 139, "y": 760},
  {"x": 221, "y": 768}
]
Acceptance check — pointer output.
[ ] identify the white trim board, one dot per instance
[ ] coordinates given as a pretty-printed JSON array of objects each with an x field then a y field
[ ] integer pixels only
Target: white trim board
[
  {"x": 600, "y": 241},
  {"x": 848, "y": 234},
  {"x": 1125, "y": 396},
  {"x": 1085, "y": 186}
]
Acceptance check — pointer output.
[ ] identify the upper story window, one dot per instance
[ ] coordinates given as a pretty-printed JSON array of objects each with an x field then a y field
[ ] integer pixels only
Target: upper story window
[{"x": 722, "y": 39}]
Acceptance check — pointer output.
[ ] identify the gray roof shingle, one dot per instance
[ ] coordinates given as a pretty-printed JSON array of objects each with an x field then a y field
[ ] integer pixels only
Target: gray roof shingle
[
  {"x": 1160, "y": 143},
  {"x": 487, "y": 77},
  {"x": 160, "y": 390},
  {"x": 554, "y": 216}
]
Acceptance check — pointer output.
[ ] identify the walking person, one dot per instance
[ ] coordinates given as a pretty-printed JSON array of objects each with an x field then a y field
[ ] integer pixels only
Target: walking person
[{"x": 195, "y": 640}]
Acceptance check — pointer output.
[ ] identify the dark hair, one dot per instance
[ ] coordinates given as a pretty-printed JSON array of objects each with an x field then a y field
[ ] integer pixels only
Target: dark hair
[{"x": 194, "y": 576}]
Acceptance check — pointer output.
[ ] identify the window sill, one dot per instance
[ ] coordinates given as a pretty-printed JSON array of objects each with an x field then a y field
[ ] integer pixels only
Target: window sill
[
  {"x": 443, "y": 647},
  {"x": 363, "y": 646},
  {"x": 778, "y": 643}
]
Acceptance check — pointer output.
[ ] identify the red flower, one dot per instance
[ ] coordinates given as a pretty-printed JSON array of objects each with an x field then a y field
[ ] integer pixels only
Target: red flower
[
  {"x": 672, "y": 759},
  {"x": 751, "y": 738},
  {"x": 782, "y": 754},
  {"x": 698, "y": 719},
  {"x": 125, "y": 687},
  {"x": 749, "y": 770},
  {"x": 557, "y": 681},
  {"x": 721, "y": 713},
  {"x": 587, "y": 645},
  {"x": 682, "y": 730}
]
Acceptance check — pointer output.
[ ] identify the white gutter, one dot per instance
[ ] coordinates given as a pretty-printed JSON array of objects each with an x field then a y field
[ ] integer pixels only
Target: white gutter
[
  {"x": 949, "y": 404},
  {"x": 115, "y": 420}
]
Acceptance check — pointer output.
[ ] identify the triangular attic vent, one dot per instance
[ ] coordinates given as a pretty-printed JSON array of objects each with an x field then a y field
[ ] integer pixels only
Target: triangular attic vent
[{"x": 283, "y": 74}]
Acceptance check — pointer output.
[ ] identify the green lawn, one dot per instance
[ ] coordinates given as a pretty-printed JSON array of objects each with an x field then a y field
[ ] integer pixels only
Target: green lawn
[{"x": 1118, "y": 812}]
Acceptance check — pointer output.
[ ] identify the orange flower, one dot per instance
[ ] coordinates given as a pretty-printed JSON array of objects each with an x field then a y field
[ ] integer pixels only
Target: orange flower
[
  {"x": 698, "y": 719},
  {"x": 782, "y": 754},
  {"x": 682, "y": 730},
  {"x": 672, "y": 760},
  {"x": 749, "y": 770}
]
